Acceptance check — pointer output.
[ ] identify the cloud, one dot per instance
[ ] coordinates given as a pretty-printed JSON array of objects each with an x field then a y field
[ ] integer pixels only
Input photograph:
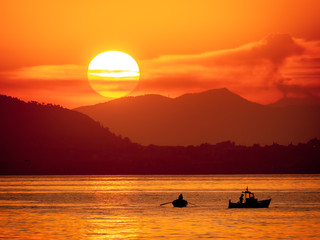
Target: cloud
[
  {"x": 256, "y": 70},
  {"x": 66, "y": 85},
  {"x": 301, "y": 74},
  {"x": 49, "y": 72},
  {"x": 46, "y": 78}
]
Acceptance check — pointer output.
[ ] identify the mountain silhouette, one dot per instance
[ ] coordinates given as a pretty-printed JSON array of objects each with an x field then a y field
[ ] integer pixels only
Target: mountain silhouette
[
  {"x": 209, "y": 117},
  {"x": 48, "y": 139}
]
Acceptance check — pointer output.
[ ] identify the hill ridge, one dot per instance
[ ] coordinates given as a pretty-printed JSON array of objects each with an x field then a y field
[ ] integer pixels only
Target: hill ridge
[{"x": 212, "y": 116}]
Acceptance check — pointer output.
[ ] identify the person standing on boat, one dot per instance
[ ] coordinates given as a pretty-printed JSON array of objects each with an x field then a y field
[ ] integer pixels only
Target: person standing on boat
[{"x": 241, "y": 198}]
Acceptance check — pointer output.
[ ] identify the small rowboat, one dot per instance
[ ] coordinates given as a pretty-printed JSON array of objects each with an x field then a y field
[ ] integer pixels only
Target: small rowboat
[{"x": 179, "y": 203}]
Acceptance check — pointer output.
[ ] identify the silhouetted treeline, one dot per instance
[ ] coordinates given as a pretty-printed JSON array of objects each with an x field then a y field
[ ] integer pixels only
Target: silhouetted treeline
[
  {"x": 48, "y": 139},
  {"x": 227, "y": 157}
]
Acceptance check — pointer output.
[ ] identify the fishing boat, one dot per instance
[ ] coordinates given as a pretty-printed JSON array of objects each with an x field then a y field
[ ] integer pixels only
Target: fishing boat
[{"x": 250, "y": 201}]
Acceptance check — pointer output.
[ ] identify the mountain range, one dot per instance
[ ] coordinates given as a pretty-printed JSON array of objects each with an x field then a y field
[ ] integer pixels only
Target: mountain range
[
  {"x": 48, "y": 139},
  {"x": 208, "y": 117}
]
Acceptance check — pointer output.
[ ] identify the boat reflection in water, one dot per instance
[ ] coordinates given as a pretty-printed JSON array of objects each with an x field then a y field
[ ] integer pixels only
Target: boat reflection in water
[{"x": 250, "y": 201}]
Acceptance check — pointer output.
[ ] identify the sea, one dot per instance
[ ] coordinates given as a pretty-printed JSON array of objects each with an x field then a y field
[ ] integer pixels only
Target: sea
[{"x": 128, "y": 207}]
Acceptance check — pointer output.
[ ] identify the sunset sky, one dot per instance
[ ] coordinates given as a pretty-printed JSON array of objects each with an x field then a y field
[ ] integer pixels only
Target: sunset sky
[{"x": 262, "y": 50}]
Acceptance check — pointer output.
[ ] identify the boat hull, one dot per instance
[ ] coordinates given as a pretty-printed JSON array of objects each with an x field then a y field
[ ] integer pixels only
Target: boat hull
[
  {"x": 179, "y": 203},
  {"x": 256, "y": 204}
]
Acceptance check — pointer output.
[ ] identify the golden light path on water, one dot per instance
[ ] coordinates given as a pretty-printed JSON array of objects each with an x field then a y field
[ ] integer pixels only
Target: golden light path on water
[
  {"x": 113, "y": 74},
  {"x": 128, "y": 207}
]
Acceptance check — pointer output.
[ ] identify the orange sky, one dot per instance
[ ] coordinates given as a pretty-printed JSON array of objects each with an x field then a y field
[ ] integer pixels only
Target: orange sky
[{"x": 261, "y": 50}]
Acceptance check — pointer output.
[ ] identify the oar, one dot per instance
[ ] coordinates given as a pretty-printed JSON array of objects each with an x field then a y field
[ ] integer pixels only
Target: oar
[{"x": 165, "y": 203}]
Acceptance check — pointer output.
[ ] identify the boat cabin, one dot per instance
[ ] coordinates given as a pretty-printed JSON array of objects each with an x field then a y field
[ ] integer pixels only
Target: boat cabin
[{"x": 249, "y": 196}]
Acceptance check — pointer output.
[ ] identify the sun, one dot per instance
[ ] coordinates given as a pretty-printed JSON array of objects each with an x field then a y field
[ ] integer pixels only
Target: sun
[{"x": 113, "y": 74}]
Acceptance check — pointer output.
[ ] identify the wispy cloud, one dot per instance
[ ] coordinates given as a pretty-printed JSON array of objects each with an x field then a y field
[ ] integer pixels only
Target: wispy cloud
[
  {"x": 257, "y": 70},
  {"x": 49, "y": 72},
  {"x": 66, "y": 85}
]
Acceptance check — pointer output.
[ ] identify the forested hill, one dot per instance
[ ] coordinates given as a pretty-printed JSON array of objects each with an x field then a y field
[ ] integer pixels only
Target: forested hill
[{"x": 43, "y": 139}]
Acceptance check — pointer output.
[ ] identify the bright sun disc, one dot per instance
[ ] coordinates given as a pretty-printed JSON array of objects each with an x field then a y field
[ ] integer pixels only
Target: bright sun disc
[{"x": 113, "y": 74}]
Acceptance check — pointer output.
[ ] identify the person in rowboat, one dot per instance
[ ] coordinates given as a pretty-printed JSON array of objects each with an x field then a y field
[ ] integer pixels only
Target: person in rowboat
[{"x": 180, "y": 197}]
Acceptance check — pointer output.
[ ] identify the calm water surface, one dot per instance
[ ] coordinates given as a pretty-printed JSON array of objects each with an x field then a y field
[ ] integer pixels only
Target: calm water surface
[{"x": 127, "y": 207}]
